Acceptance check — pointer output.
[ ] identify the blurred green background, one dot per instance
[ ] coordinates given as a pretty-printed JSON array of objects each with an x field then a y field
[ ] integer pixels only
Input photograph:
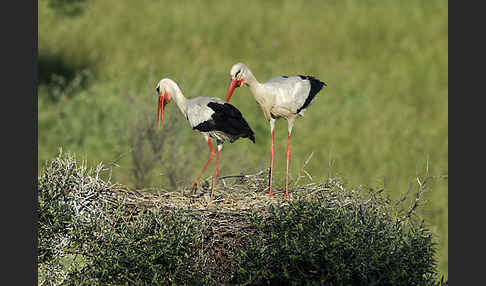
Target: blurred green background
[{"x": 382, "y": 119}]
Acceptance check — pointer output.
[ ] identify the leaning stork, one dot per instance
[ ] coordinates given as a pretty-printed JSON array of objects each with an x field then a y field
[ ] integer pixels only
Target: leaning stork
[
  {"x": 281, "y": 97},
  {"x": 213, "y": 117}
]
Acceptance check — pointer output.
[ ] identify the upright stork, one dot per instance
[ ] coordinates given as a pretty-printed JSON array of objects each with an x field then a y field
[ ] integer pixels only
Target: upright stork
[
  {"x": 282, "y": 97},
  {"x": 213, "y": 117}
]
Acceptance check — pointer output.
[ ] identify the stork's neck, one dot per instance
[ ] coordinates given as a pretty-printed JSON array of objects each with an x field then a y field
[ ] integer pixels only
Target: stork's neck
[
  {"x": 261, "y": 94},
  {"x": 251, "y": 81},
  {"x": 180, "y": 100}
]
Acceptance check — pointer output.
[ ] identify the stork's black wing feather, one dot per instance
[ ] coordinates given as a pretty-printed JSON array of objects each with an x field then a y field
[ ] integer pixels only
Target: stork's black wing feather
[
  {"x": 316, "y": 86},
  {"x": 227, "y": 118}
]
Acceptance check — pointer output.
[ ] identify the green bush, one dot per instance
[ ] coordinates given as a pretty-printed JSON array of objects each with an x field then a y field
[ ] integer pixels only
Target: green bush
[
  {"x": 55, "y": 210},
  {"x": 314, "y": 244},
  {"x": 93, "y": 232},
  {"x": 156, "y": 248},
  {"x": 80, "y": 217}
]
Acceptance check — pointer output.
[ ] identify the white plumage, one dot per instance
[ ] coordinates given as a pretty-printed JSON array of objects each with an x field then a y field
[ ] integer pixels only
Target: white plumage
[
  {"x": 290, "y": 92},
  {"x": 197, "y": 110},
  {"x": 281, "y": 97}
]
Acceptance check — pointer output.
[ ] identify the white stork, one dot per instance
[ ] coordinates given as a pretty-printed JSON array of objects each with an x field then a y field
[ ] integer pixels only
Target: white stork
[
  {"x": 281, "y": 97},
  {"x": 213, "y": 117}
]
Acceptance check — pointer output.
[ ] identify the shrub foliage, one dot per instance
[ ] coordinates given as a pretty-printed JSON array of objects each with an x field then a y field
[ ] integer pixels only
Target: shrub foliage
[
  {"x": 314, "y": 244},
  {"x": 93, "y": 232}
]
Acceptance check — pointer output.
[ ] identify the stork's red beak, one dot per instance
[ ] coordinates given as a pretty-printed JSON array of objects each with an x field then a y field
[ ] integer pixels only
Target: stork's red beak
[
  {"x": 160, "y": 110},
  {"x": 233, "y": 84}
]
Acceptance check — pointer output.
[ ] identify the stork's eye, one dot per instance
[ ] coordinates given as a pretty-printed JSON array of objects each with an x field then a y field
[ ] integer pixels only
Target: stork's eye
[
  {"x": 157, "y": 89},
  {"x": 236, "y": 75}
]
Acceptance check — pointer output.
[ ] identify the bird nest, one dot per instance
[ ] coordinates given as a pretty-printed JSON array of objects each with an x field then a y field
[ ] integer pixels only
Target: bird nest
[{"x": 235, "y": 196}]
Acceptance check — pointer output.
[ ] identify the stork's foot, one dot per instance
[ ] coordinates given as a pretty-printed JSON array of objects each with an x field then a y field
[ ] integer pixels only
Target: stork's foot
[
  {"x": 270, "y": 194},
  {"x": 286, "y": 195}
]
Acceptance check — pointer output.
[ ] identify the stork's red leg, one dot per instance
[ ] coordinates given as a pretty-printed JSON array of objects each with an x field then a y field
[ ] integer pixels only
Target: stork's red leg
[
  {"x": 272, "y": 153},
  {"x": 215, "y": 175},
  {"x": 287, "y": 173},
  {"x": 194, "y": 185}
]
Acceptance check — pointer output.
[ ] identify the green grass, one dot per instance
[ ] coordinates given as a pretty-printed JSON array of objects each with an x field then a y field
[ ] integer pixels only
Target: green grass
[{"x": 383, "y": 115}]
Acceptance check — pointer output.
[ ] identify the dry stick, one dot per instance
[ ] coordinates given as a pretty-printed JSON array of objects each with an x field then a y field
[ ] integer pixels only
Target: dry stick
[
  {"x": 235, "y": 176},
  {"x": 418, "y": 195},
  {"x": 303, "y": 169}
]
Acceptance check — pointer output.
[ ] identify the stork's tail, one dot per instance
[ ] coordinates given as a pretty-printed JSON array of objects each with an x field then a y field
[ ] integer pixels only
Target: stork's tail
[
  {"x": 248, "y": 133},
  {"x": 316, "y": 86},
  {"x": 251, "y": 136}
]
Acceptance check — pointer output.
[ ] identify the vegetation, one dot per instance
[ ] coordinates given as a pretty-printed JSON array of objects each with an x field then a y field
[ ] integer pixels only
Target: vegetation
[
  {"x": 67, "y": 8},
  {"x": 308, "y": 243},
  {"x": 382, "y": 119},
  {"x": 94, "y": 232}
]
